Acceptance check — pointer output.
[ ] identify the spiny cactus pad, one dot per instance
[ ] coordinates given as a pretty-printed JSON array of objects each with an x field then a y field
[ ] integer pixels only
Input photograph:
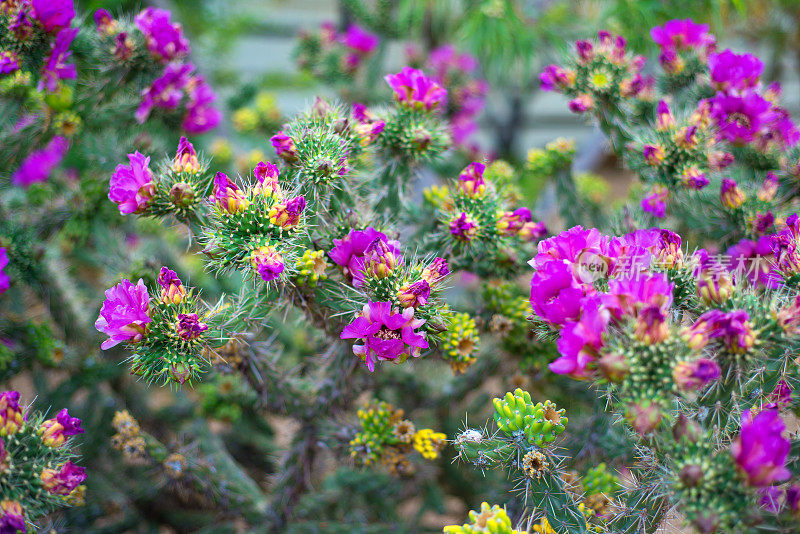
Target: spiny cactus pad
[{"x": 540, "y": 422}]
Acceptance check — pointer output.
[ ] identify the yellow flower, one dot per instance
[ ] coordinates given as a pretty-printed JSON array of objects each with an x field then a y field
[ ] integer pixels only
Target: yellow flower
[{"x": 429, "y": 443}]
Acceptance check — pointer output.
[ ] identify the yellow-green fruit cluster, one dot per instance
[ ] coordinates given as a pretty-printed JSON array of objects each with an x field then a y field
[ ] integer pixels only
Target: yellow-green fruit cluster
[
  {"x": 377, "y": 426},
  {"x": 311, "y": 267},
  {"x": 460, "y": 341},
  {"x": 599, "y": 480},
  {"x": 490, "y": 519},
  {"x": 541, "y": 422},
  {"x": 437, "y": 195},
  {"x": 429, "y": 443}
]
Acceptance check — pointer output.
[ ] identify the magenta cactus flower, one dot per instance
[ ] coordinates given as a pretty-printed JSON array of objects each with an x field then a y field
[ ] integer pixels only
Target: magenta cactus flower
[
  {"x": 189, "y": 326},
  {"x": 267, "y": 262},
  {"x": 39, "y": 164},
  {"x": 730, "y": 195},
  {"x": 628, "y": 296},
  {"x": 11, "y": 416},
  {"x": 55, "y": 431},
  {"x": 554, "y": 77},
  {"x": 172, "y": 290},
  {"x": 5, "y": 281},
  {"x": 166, "y": 91},
  {"x": 653, "y": 154},
  {"x": 284, "y": 146},
  {"x": 380, "y": 259},
  {"x": 664, "y": 117},
  {"x": 512, "y": 222},
  {"x": 132, "y": 187},
  {"x": 437, "y": 270},
  {"x": 414, "y": 295},
  {"x": 287, "y": 214},
  {"x": 781, "y": 396},
  {"x": 414, "y": 89},
  {"x": 733, "y": 329},
  {"x": 690, "y": 376},
  {"x": 581, "y": 103},
  {"x": 9, "y": 62},
  {"x": 350, "y": 252},
  {"x": 386, "y": 334},
  {"x": 185, "y": 159},
  {"x": 56, "y": 67},
  {"x": 769, "y": 187},
  {"x": 531, "y": 231},
  {"x": 165, "y": 40},
  {"x": 12, "y": 517},
  {"x": 682, "y": 35},
  {"x": 581, "y": 340},
  {"x": 555, "y": 294},
  {"x": 65, "y": 480},
  {"x": 267, "y": 175},
  {"x": 693, "y": 178},
  {"x": 463, "y": 227},
  {"x": 655, "y": 202},
  {"x": 754, "y": 261},
  {"x": 125, "y": 313},
  {"x": 359, "y": 40},
  {"x": 104, "y": 22},
  {"x": 730, "y": 71},
  {"x": 760, "y": 450},
  {"x": 53, "y": 15},
  {"x": 123, "y": 46},
  {"x": 471, "y": 181},
  {"x": 201, "y": 116},
  {"x": 740, "y": 117},
  {"x": 227, "y": 195},
  {"x": 569, "y": 245}
]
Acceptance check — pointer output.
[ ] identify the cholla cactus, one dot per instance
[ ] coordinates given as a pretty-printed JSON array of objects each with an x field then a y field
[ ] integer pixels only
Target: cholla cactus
[
  {"x": 37, "y": 474},
  {"x": 165, "y": 332}
]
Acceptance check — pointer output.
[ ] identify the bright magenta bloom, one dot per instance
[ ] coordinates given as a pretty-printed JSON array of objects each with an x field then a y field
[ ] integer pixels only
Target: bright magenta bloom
[
  {"x": 164, "y": 39},
  {"x": 40, "y": 163},
  {"x": 581, "y": 340},
  {"x": 131, "y": 186},
  {"x": 10, "y": 413},
  {"x": 53, "y": 14},
  {"x": 471, "y": 181},
  {"x": 12, "y": 518},
  {"x": 681, "y": 35},
  {"x": 734, "y": 71},
  {"x": 63, "y": 481},
  {"x": 555, "y": 294},
  {"x": 172, "y": 290},
  {"x": 351, "y": 251},
  {"x": 124, "y": 315},
  {"x": 761, "y": 450},
  {"x": 189, "y": 326},
  {"x": 227, "y": 194},
  {"x": 268, "y": 262},
  {"x": 267, "y": 175},
  {"x": 166, "y": 91},
  {"x": 55, "y": 432},
  {"x": 414, "y": 89},
  {"x": 387, "y": 335},
  {"x": 56, "y": 67},
  {"x": 284, "y": 146},
  {"x": 5, "y": 281},
  {"x": 463, "y": 227}
]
